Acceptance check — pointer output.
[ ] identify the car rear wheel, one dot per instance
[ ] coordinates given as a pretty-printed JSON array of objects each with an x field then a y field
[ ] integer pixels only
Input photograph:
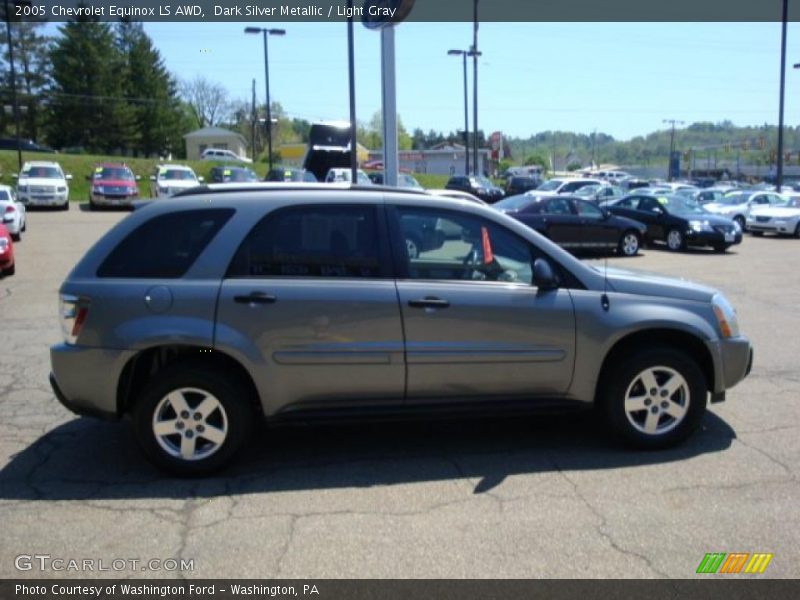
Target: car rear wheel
[
  {"x": 10, "y": 270},
  {"x": 192, "y": 419},
  {"x": 16, "y": 237},
  {"x": 655, "y": 399},
  {"x": 675, "y": 240},
  {"x": 758, "y": 233},
  {"x": 721, "y": 247},
  {"x": 629, "y": 243},
  {"x": 797, "y": 230}
]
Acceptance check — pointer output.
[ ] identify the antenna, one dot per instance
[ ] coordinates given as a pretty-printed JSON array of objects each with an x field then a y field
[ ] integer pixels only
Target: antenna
[{"x": 604, "y": 302}]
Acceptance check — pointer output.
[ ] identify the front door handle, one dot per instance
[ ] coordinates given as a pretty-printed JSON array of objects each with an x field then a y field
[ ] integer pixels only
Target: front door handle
[
  {"x": 255, "y": 298},
  {"x": 429, "y": 302}
]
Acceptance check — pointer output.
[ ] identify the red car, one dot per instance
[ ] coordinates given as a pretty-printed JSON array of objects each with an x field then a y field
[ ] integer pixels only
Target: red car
[
  {"x": 112, "y": 184},
  {"x": 6, "y": 252}
]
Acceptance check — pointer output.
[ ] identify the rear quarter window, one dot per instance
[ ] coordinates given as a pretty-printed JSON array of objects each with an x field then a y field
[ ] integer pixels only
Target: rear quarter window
[{"x": 166, "y": 246}]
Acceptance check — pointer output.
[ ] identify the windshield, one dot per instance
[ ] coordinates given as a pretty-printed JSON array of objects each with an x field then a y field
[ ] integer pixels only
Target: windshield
[
  {"x": 43, "y": 172},
  {"x": 515, "y": 202},
  {"x": 238, "y": 175},
  {"x": 483, "y": 182},
  {"x": 4, "y": 195},
  {"x": 733, "y": 199},
  {"x": 588, "y": 190},
  {"x": 113, "y": 173},
  {"x": 681, "y": 206},
  {"x": 179, "y": 174},
  {"x": 550, "y": 186}
]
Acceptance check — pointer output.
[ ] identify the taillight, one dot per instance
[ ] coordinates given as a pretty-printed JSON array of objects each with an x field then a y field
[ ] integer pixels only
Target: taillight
[
  {"x": 73, "y": 312},
  {"x": 9, "y": 209}
]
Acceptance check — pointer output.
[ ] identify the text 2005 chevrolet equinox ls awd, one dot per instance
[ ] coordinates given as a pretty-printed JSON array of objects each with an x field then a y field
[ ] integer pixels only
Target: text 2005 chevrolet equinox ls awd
[{"x": 193, "y": 314}]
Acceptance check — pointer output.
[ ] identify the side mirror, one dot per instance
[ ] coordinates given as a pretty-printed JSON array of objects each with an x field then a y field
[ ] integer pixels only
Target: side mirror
[
  {"x": 68, "y": 176},
  {"x": 543, "y": 276}
]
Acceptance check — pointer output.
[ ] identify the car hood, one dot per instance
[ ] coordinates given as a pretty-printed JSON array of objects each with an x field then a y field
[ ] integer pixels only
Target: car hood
[
  {"x": 711, "y": 218},
  {"x": 653, "y": 284},
  {"x": 776, "y": 211},
  {"x": 41, "y": 181},
  {"x": 177, "y": 183},
  {"x": 117, "y": 182}
]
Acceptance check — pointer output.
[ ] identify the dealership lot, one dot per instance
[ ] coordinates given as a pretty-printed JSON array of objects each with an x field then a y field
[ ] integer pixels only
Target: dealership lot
[{"x": 546, "y": 496}]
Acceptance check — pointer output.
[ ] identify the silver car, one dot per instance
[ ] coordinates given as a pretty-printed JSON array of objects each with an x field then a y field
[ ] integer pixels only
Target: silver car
[{"x": 296, "y": 300}]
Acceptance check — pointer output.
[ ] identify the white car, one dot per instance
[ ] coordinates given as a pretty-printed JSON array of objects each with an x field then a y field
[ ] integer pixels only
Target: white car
[
  {"x": 170, "y": 179},
  {"x": 339, "y": 175},
  {"x": 563, "y": 186},
  {"x": 738, "y": 205},
  {"x": 12, "y": 212},
  {"x": 783, "y": 218},
  {"x": 223, "y": 155},
  {"x": 43, "y": 183}
]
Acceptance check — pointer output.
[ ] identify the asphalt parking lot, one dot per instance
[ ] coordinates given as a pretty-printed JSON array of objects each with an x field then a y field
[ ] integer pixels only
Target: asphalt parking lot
[{"x": 545, "y": 496}]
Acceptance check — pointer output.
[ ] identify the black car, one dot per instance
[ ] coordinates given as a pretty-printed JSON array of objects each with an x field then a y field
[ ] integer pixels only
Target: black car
[
  {"x": 678, "y": 221},
  {"x": 575, "y": 224},
  {"x": 24, "y": 145},
  {"x": 477, "y": 186},
  {"x": 520, "y": 185},
  {"x": 290, "y": 174},
  {"x": 231, "y": 174}
]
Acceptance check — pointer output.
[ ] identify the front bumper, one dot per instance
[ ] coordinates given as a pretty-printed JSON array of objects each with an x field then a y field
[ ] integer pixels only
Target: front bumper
[
  {"x": 85, "y": 380},
  {"x": 103, "y": 200},
  {"x": 44, "y": 199},
  {"x": 736, "y": 357},
  {"x": 711, "y": 238},
  {"x": 784, "y": 226}
]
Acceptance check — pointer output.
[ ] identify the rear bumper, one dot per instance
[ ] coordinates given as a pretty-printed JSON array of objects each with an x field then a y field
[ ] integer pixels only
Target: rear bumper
[{"x": 85, "y": 380}]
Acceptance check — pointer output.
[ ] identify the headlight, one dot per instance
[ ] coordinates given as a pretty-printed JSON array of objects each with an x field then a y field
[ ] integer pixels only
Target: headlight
[
  {"x": 98, "y": 189},
  {"x": 163, "y": 190},
  {"x": 726, "y": 316},
  {"x": 61, "y": 190},
  {"x": 3, "y": 245},
  {"x": 700, "y": 226}
]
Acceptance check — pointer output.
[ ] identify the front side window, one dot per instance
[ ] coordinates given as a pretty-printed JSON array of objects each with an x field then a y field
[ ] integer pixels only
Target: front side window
[
  {"x": 166, "y": 246},
  {"x": 312, "y": 241},
  {"x": 585, "y": 209},
  {"x": 442, "y": 244}
]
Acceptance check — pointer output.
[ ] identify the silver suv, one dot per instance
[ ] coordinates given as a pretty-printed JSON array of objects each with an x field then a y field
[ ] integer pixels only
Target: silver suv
[{"x": 193, "y": 315}]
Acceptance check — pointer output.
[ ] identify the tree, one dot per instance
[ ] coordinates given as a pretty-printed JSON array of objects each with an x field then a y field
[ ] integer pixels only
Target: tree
[
  {"x": 537, "y": 159},
  {"x": 151, "y": 92},
  {"x": 32, "y": 68},
  {"x": 88, "y": 104},
  {"x": 207, "y": 100}
]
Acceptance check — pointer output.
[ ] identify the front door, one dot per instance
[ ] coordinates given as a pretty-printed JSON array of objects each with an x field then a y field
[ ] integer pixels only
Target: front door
[{"x": 475, "y": 326}]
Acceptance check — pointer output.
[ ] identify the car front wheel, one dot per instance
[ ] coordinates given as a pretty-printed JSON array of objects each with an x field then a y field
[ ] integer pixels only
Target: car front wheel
[
  {"x": 675, "y": 240},
  {"x": 192, "y": 419},
  {"x": 629, "y": 244},
  {"x": 655, "y": 399}
]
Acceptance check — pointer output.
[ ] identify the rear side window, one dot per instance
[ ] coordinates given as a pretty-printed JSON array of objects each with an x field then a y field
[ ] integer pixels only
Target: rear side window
[
  {"x": 165, "y": 246},
  {"x": 312, "y": 241}
]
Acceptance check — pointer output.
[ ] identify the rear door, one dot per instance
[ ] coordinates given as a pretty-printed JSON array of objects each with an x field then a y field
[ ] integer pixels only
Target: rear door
[
  {"x": 475, "y": 327},
  {"x": 561, "y": 222},
  {"x": 597, "y": 231},
  {"x": 311, "y": 294}
]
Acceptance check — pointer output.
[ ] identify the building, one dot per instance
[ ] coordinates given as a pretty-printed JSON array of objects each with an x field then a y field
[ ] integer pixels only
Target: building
[
  {"x": 442, "y": 159},
  {"x": 214, "y": 137}
]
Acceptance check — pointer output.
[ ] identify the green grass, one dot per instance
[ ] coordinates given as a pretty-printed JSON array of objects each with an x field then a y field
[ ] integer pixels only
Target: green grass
[
  {"x": 81, "y": 165},
  {"x": 430, "y": 180}
]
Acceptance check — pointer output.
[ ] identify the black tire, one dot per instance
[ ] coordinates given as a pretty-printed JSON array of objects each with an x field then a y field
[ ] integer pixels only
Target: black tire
[
  {"x": 66, "y": 206},
  {"x": 235, "y": 417},
  {"x": 24, "y": 225},
  {"x": 629, "y": 243},
  {"x": 740, "y": 220},
  {"x": 17, "y": 237},
  {"x": 10, "y": 270},
  {"x": 721, "y": 248},
  {"x": 758, "y": 233},
  {"x": 627, "y": 375},
  {"x": 675, "y": 240},
  {"x": 797, "y": 231}
]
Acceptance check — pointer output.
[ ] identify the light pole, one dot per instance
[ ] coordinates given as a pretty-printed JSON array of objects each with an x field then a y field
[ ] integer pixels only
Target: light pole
[
  {"x": 671, "y": 145},
  {"x": 475, "y": 54},
  {"x": 779, "y": 173},
  {"x": 267, "y": 32},
  {"x": 464, "y": 54},
  {"x": 13, "y": 74}
]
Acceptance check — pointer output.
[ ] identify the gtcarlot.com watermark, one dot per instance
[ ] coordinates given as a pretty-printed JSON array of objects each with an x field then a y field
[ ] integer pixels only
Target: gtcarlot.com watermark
[{"x": 46, "y": 562}]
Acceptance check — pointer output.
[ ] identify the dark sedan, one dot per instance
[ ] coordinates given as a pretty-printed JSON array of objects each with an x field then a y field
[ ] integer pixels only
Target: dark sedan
[
  {"x": 477, "y": 186},
  {"x": 575, "y": 224},
  {"x": 678, "y": 222}
]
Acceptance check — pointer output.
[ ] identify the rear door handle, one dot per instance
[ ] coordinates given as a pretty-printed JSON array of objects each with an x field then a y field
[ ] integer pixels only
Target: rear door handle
[
  {"x": 255, "y": 298},
  {"x": 429, "y": 302}
]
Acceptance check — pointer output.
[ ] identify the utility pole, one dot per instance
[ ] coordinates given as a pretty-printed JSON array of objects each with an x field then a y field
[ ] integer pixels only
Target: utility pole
[
  {"x": 13, "y": 73},
  {"x": 594, "y": 139},
  {"x": 475, "y": 55},
  {"x": 779, "y": 174},
  {"x": 351, "y": 70},
  {"x": 672, "y": 122},
  {"x": 254, "y": 119}
]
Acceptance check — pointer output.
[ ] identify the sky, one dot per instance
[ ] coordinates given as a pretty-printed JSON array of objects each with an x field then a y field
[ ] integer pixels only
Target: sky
[{"x": 623, "y": 79}]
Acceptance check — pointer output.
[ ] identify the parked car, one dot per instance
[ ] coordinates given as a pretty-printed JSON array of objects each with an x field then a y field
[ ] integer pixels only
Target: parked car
[
  {"x": 707, "y": 195},
  {"x": 598, "y": 193},
  {"x": 565, "y": 186},
  {"x": 737, "y": 205},
  {"x": 223, "y": 155},
  {"x": 520, "y": 185},
  {"x": 24, "y": 145},
  {"x": 232, "y": 175},
  {"x": 307, "y": 302},
  {"x": 678, "y": 222},
  {"x": 342, "y": 175},
  {"x": 12, "y": 212},
  {"x": 112, "y": 184},
  {"x": 782, "y": 219},
  {"x": 7, "y": 265},
  {"x": 404, "y": 180},
  {"x": 477, "y": 186},
  {"x": 171, "y": 179},
  {"x": 290, "y": 174},
  {"x": 43, "y": 183},
  {"x": 456, "y": 194},
  {"x": 575, "y": 224}
]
